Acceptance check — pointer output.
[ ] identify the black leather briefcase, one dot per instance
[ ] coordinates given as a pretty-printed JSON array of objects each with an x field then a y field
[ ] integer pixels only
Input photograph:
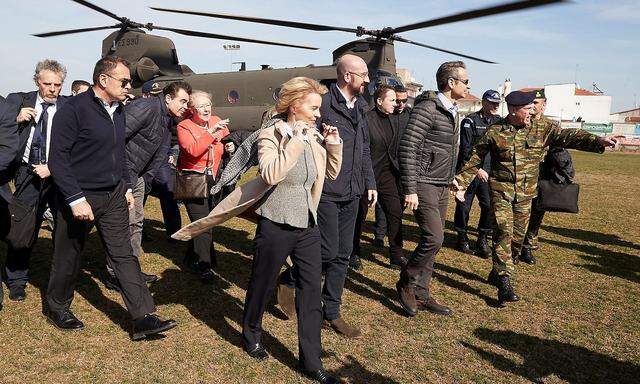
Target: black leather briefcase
[
  {"x": 554, "y": 197},
  {"x": 22, "y": 224}
]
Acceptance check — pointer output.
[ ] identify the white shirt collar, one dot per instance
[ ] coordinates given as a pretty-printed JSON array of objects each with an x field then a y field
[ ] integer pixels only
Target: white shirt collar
[
  {"x": 448, "y": 104},
  {"x": 350, "y": 103}
]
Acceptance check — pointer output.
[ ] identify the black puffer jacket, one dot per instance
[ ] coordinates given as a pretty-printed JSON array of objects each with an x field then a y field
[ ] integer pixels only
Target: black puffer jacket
[
  {"x": 148, "y": 136},
  {"x": 429, "y": 146}
]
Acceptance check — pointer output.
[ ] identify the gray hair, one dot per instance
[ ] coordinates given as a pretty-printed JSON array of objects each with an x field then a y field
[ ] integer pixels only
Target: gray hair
[
  {"x": 51, "y": 65},
  {"x": 198, "y": 93}
]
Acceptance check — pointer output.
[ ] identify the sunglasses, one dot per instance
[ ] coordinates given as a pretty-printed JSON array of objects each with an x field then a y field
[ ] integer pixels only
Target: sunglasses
[
  {"x": 465, "y": 82},
  {"x": 402, "y": 101},
  {"x": 123, "y": 82}
]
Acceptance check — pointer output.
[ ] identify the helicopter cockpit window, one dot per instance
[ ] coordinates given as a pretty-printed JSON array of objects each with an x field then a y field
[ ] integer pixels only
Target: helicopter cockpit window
[{"x": 233, "y": 97}]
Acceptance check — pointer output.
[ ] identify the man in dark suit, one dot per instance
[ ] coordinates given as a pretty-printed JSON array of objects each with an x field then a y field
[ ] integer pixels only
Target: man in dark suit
[
  {"x": 29, "y": 116},
  {"x": 88, "y": 165}
]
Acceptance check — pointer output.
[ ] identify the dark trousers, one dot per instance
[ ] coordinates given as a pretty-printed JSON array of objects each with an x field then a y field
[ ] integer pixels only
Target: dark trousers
[
  {"x": 430, "y": 215},
  {"x": 381, "y": 223},
  {"x": 336, "y": 221},
  {"x": 112, "y": 221},
  {"x": 535, "y": 222},
  {"x": 201, "y": 247},
  {"x": 162, "y": 187},
  {"x": 5, "y": 221},
  {"x": 461, "y": 218},
  {"x": 273, "y": 243},
  {"x": 389, "y": 200},
  {"x": 28, "y": 187}
]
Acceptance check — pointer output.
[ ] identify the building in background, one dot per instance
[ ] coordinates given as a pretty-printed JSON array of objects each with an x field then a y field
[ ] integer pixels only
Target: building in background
[{"x": 413, "y": 88}]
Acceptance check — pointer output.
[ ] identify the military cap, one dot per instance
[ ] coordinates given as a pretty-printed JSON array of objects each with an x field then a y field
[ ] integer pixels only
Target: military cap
[
  {"x": 151, "y": 88},
  {"x": 492, "y": 96},
  {"x": 539, "y": 94},
  {"x": 518, "y": 98}
]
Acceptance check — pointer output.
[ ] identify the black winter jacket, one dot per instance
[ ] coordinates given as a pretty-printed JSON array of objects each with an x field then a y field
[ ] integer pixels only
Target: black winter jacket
[
  {"x": 384, "y": 145},
  {"x": 557, "y": 166},
  {"x": 472, "y": 128},
  {"x": 356, "y": 174},
  {"x": 429, "y": 146},
  {"x": 147, "y": 136},
  {"x": 87, "y": 147}
]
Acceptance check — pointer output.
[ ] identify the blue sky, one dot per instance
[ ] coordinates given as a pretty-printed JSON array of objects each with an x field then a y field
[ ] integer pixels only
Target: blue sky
[{"x": 593, "y": 41}]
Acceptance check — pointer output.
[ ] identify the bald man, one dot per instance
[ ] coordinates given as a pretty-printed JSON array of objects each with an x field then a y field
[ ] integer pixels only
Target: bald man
[{"x": 342, "y": 107}]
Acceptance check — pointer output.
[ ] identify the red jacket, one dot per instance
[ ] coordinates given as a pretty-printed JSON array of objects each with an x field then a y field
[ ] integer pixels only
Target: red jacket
[{"x": 198, "y": 148}]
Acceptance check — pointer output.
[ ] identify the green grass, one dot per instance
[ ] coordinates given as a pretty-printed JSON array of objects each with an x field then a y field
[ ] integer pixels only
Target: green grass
[{"x": 577, "y": 321}]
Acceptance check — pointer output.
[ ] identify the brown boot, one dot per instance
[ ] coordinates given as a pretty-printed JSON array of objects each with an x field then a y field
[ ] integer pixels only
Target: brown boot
[
  {"x": 286, "y": 300},
  {"x": 407, "y": 296},
  {"x": 431, "y": 305},
  {"x": 342, "y": 328}
]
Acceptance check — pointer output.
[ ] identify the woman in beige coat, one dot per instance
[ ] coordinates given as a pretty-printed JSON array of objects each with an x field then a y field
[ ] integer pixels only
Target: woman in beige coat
[{"x": 294, "y": 159}]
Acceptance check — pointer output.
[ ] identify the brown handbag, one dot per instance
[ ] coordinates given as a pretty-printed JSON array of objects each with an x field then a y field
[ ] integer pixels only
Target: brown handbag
[{"x": 190, "y": 185}]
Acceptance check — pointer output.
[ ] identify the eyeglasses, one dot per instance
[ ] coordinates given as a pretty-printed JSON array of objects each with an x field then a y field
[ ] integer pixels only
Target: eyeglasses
[
  {"x": 402, "y": 101},
  {"x": 465, "y": 82},
  {"x": 123, "y": 82},
  {"x": 362, "y": 75},
  {"x": 202, "y": 106}
]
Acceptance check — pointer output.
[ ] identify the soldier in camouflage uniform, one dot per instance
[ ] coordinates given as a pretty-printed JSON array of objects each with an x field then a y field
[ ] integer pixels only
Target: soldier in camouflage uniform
[{"x": 517, "y": 146}]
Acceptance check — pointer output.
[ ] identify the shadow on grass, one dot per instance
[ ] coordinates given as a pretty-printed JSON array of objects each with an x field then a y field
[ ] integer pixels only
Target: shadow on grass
[
  {"x": 542, "y": 358},
  {"x": 606, "y": 239},
  {"x": 355, "y": 372},
  {"x": 604, "y": 261}
]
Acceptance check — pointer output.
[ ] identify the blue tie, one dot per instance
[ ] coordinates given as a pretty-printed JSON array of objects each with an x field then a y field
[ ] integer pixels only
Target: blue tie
[{"x": 38, "y": 152}]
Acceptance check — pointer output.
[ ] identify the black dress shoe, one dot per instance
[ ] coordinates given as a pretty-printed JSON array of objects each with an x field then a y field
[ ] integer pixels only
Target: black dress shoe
[
  {"x": 149, "y": 278},
  {"x": 65, "y": 321},
  {"x": 17, "y": 293},
  {"x": 463, "y": 244},
  {"x": 321, "y": 376},
  {"x": 355, "y": 263},
  {"x": 482, "y": 246},
  {"x": 257, "y": 352},
  {"x": 150, "y": 325},
  {"x": 526, "y": 256}
]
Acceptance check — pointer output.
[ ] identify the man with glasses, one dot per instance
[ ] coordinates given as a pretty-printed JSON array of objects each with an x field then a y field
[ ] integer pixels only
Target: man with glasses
[
  {"x": 342, "y": 107},
  {"x": 147, "y": 146},
  {"x": 472, "y": 128},
  {"x": 427, "y": 154},
  {"x": 88, "y": 165}
]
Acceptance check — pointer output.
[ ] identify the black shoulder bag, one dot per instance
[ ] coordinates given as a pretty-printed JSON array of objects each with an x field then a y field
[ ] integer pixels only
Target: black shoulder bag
[{"x": 22, "y": 221}]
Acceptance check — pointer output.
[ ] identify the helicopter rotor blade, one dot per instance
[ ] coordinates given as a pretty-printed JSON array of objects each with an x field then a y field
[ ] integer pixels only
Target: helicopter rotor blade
[
  {"x": 283, "y": 23},
  {"x": 477, "y": 13},
  {"x": 234, "y": 38},
  {"x": 402, "y": 39},
  {"x": 70, "y": 31},
  {"x": 99, "y": 9}
]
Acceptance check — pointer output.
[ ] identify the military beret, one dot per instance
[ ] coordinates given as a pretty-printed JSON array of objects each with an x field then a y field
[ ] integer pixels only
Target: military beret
[
  {"x": 518, "y": 98},
  {"x": 492, "y": 96},
  {"x": 539, "y": 94}
]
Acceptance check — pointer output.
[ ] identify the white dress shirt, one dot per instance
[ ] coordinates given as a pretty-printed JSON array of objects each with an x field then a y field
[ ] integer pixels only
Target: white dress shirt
[{"x": 51, "y": 111}]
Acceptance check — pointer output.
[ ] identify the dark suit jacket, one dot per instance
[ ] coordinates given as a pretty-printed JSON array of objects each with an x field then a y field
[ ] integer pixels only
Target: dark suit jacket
[{"x": 14, "y": 136}]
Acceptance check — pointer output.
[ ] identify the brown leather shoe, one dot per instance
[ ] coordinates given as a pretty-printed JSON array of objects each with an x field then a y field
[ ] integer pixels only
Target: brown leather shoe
[
  {"x": 286, "y": 300},
  {"x": 342, "y": 328},
  {"x": 407, "y": 296},
  {"x": 431, "y": 305}
]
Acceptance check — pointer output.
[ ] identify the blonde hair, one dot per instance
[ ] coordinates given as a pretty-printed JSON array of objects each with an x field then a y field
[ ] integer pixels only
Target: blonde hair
[
  {"x": 198, "y": 93},
  {"x": 295, "y": 90}
]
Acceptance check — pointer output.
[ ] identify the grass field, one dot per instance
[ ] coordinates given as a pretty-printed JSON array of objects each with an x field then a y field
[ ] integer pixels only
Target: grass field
[{"x": 578, "y": 320}]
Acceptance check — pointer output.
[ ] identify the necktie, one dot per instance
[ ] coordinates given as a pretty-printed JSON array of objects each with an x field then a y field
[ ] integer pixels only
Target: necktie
[{"x": 38, "y": 154}]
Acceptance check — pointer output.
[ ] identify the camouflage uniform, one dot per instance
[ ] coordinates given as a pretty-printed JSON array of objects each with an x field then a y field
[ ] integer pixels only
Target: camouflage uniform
[{"x": 516, "y": 153}]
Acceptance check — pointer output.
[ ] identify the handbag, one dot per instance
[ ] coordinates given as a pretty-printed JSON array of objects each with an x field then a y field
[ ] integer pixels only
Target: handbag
[
  {"x": 555, "y": 197},
  {"x": 22, "y": 223},
  {"x": 190, "y": 185}
]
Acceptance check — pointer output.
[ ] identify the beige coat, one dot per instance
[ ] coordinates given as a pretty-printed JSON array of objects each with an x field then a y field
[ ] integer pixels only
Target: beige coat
[{"x": 277, "y": 154}]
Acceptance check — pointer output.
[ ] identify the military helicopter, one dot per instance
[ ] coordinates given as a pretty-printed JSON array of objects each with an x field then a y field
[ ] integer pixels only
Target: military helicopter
[{"x": 245, "y": 97}]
